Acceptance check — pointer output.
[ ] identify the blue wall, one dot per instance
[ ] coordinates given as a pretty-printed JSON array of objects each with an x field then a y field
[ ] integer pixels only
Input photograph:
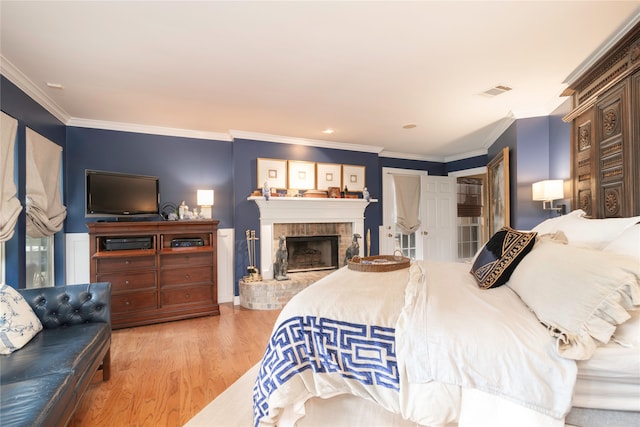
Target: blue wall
[
  {"x": 29, "y": 114},
  {"x": 182, "y": 164},
  {"x": 539, "y": 149}
]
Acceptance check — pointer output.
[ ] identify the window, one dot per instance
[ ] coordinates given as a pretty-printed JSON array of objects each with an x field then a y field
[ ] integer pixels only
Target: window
[
  {"x": 406, "y": 243},
  {"x": 39, "y": 251},
  {"x": 470, "y": 216}
]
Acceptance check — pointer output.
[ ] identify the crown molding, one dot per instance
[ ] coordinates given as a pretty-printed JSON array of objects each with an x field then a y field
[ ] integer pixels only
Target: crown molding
[
  {"x": 256, "y": 136},
  {"x": 467, "y": 155},
  {"x": 603, "y": 49},
  {"x": 15, "y": 76},
  {"x": 410, "y": 156},
  {"x": 152, "y": 130}
]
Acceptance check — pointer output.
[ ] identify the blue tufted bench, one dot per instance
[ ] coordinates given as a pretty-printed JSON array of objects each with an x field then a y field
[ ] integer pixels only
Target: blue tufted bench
[{"x": 42, "y": 383}]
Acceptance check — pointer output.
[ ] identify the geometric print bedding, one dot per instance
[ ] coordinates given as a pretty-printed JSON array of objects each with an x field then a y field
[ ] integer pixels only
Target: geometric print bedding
[{"x": 365, "y": 353}]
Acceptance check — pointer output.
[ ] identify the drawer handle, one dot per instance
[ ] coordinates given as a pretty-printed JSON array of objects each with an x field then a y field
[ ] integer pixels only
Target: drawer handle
[
  {"x": 126, "y": 302},
  {"x": 186, "y": 276},
  {"x": 126, "y": 282},
  {"x": 127, "y": 262},
  {"x": 187, "y": 296}
]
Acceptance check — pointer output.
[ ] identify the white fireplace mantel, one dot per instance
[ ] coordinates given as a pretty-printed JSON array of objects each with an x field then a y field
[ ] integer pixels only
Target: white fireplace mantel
[{"x": 278, "y": 210}]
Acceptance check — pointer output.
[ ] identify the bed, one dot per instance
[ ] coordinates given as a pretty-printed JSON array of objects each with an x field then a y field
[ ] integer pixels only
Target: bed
[{"x": 545, "y": 333}]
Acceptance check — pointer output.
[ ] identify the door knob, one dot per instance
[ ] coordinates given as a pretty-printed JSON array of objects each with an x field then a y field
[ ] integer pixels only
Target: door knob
[
  {"x": 389, "y": 235},
  {"x": 424, "y": 233}
]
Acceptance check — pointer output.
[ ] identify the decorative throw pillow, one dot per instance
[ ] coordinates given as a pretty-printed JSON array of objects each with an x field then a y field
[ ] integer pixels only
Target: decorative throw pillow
[
  {"x": 500, "y": 256},
  {"x": 18, "y": 322}
]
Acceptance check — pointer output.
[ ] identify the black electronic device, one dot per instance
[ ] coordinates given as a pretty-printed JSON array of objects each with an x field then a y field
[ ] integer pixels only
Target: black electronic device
[
  {"x": 186, "y": 242},
  {"x": 110, "y": 194},
  {"x": 127, "y": 243}
]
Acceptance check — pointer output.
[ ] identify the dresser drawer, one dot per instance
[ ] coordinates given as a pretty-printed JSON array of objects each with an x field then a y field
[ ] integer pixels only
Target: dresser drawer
[
  {"x": 108, "y": 265},
  {"x": 179, "y": 276},
  {"x": 133, "y": 301},
  {"x": 185, "y": 260},
  {"x": 129, "y": 280},
  {"x": 194, "y": 294}
]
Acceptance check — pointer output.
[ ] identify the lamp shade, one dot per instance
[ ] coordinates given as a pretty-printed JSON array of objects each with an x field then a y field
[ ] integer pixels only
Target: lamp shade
[
  {"x": 552, "y": 189},
  {"x": 205, "y": 198}
]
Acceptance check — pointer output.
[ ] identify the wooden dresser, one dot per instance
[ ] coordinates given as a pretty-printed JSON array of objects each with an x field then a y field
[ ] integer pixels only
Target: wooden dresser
[
  {"x": 159, "y": 270},
  {"x": 605, "y": 133}
]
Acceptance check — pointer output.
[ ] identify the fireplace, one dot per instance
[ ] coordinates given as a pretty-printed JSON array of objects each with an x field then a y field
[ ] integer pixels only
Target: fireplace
[
  {"x": 311, "y": 253},
  {"x": 302, "y": 216}
]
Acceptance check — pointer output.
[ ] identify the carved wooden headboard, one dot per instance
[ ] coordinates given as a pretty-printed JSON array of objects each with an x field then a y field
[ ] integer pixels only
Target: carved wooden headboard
[{"x": 605, "y": 132}]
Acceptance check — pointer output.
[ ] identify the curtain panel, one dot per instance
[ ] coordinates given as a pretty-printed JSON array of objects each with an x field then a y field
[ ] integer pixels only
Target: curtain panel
[
  {"x": 10, "y": 206},
  {"x": 45, "y": 211},
  {"x": 407, "y": 189}
]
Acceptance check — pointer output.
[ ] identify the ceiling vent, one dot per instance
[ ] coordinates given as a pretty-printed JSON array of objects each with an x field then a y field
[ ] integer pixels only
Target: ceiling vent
[{"x": 495, "y": 91}]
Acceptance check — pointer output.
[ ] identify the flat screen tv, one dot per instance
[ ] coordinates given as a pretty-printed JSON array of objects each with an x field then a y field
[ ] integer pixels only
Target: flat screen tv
[{"x": 114, "y": 194}]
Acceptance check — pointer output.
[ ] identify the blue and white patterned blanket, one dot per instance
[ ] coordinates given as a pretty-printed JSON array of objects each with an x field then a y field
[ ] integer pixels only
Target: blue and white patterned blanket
[{"x": 365, "y": 334}]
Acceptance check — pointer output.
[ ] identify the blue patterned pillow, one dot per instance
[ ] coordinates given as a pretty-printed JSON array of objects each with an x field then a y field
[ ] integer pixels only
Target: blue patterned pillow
[
  {"x": 18, "y": 322},
  {"x": 500, "y": 256}
]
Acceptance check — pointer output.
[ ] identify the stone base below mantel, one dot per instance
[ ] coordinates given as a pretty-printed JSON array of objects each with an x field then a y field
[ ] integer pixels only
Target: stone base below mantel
[{"x": 274, "y": 294}]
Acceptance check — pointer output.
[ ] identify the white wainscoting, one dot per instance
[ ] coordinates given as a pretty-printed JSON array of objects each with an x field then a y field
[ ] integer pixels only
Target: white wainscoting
[
  {"x": 226, "y": 237},
  {"x": 77, "y": 261},
  {"x": 77, "y": 258}
]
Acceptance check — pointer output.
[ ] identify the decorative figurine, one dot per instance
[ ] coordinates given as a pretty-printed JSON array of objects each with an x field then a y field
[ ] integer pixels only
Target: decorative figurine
[
  {"x": 266, "y": 191},
  {"x": 183, "y": 210},
  {"x": 282, "y": 260},
  {"x": 353, "y": 250},
  {"x": 365, "y": 194}
]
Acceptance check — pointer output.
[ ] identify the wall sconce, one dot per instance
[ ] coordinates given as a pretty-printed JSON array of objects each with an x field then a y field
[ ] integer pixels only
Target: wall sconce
[
  {"x": 205, "y": 201},
  {"x": 547, "y": 191}
]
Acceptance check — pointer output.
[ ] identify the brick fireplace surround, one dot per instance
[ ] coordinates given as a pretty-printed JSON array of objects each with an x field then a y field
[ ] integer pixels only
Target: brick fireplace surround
[{"x": 298, "y": 216}]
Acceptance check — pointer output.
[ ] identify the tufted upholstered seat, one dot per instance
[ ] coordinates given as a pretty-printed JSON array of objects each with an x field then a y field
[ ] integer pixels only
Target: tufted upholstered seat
[{"x": 43, "y": 382}]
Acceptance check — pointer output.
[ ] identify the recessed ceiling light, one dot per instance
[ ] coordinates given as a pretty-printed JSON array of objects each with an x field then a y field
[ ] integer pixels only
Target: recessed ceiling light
[
  {"x": 409, "y": 126},
  {"x": 328, "y": 131},
  {"x": 55, "y": 85}
]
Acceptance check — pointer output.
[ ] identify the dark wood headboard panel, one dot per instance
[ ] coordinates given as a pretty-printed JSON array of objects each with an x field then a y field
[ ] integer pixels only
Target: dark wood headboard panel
[{"x": 605, "y": 133}]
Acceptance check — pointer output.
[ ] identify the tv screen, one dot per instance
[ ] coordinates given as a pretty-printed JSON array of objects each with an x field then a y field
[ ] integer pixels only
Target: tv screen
[{"x": 119, "y": 194}]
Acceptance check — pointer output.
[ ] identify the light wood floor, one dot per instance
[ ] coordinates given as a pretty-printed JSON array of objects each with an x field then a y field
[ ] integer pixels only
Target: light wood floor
[{"x": 164, "y": 374}]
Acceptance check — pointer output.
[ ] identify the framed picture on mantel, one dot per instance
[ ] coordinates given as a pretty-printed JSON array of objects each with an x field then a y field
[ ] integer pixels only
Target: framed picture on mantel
[
  {"x": 498, "y": 177},
  {"x": 273, "y": 172},
  {"x": 353, "y": 177}
]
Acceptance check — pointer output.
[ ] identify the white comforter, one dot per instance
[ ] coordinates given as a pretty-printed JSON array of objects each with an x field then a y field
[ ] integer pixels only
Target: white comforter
[{"x": 417, "y": 348}]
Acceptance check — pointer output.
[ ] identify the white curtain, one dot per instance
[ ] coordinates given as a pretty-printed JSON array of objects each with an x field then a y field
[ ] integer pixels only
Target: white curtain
[
  {"x": 407, "y": 189},
  {"x": 9, "y": 204},
  {"x": 45, "y": 211}
]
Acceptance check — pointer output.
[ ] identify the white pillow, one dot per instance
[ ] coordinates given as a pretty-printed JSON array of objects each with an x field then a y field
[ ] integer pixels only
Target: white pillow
[
  {"x": 552, "y": 225},
  {"x": 596, "y": 233},
  {"x": 18, "y": 322},
  {"x": 580, "y": 294},
  {"x": 628, "y": 243}
]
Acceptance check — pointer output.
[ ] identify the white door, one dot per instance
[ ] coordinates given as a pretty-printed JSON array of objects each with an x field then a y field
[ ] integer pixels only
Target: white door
[
  {"x": 439, "y": 218},
  {"x": 436, "y": 238}
]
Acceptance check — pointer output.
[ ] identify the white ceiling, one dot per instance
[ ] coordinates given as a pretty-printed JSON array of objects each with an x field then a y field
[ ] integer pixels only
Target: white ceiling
[{"x": 288, "y": 70}]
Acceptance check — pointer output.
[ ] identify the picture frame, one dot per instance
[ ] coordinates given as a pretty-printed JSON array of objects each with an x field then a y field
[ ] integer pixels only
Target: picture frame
[
  {"x": 498, "y": 179},
  {"x": 353, "y": 177},
  {"x": 302, "y": 175},
  {"x": 273, "y": 172},
  {"x": 328, "y": 175}
]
